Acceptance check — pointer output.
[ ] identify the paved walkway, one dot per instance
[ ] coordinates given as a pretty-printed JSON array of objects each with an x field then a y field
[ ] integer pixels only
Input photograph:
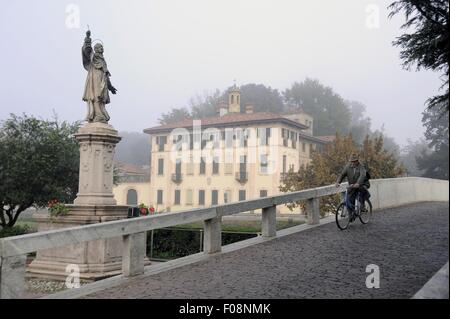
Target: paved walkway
[{"x": 409, "y": 244}]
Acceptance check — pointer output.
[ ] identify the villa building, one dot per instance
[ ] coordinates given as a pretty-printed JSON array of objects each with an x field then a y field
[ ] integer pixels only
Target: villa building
[{"x": 233, "y": 156}]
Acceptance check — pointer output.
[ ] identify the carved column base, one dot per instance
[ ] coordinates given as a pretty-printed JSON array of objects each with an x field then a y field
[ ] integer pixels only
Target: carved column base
[{"x": 97, "y": 145}]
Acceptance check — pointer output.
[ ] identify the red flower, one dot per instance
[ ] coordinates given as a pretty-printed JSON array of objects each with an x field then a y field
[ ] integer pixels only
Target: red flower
[
  {"x": 152, "y": 210},
  {"x": 144, "y": 211}
]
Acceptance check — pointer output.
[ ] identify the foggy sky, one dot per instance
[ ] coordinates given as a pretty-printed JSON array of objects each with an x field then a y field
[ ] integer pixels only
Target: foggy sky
[{"x": 162, "y": 53}]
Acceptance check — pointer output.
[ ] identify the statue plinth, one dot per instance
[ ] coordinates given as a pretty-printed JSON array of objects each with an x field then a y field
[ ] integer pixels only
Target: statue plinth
[
  {"x": 95, "y": 203},
  {"x": 97, "y": 144}
]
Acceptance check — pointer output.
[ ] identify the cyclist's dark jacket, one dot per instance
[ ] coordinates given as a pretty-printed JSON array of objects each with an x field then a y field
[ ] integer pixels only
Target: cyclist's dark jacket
[{"x": 354, "y": 175}]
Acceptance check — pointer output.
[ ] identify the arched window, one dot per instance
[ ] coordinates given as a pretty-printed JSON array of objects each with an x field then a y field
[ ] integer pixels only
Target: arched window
[
  {"x": 232, "y": 99},
  {"x": 237, "y": 99},
  {"x": 132, "y": 197}
]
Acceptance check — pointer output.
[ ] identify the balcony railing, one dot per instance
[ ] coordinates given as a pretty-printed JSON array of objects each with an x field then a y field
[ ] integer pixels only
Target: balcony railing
[
  {"x": 177, "y": 178},
  {"x": 242, "y": 177}
]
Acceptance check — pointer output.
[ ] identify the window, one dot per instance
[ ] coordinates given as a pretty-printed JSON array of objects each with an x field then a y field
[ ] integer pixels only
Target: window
[
  {"x": 178, "y": 142},
  {"x": 214, "y": 197},
  {"x": 190, "y": 165},
  {"x": 243, "y": 136},
  {"x": 189, "y": 200},
  {"x": 242, "y": 194},
  {"x": 215, "y": 166},
  {"x": 132, "y": 197},
  {"x": 284, "y": 164},
  {"x": 263, "y": 193},
  {"x": 161, "y": 141},
  {"x": 232, "y": 99},
  {"x": 227, "y": 196},
  {"x": 229, "y": 137},
  {"x": 160, "y": 166},
  {"x": 201, "y": 197},
  {"x": 303, "y": 147},
  {"x": 285, "y": 136},
  {"x": 264, "y": 134},
  {"x": 202, "y": 166},
  {"x": 263, "y": 164},
  {"x": 177, "y": 197},
  {"x": 310, "y": 150},
  {"x": 243, "y": 163},
  {"x": 159, "y": 197},
  {"x": 178, "y": 167}
]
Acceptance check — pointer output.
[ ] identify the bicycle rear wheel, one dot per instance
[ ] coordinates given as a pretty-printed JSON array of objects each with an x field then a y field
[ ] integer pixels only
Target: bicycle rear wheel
[
  {"x": 342, "y": 216},
  {"x": 365, "y": 217}
]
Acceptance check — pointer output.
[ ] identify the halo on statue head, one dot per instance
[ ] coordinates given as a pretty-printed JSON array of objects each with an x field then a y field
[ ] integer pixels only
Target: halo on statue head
[{"x": 97, "y": 41}]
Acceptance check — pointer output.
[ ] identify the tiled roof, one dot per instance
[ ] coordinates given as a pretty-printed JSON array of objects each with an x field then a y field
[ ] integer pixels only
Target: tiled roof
[{"x": 230, "y": 119}]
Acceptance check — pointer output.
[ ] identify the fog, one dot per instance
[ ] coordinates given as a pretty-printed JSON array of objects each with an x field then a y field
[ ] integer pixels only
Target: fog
[{"x": 162, "y": 53}]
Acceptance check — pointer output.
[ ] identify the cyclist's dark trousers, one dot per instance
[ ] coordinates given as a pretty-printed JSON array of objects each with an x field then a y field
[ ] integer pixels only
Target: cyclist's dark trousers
[{"x": 354, "y": 192}]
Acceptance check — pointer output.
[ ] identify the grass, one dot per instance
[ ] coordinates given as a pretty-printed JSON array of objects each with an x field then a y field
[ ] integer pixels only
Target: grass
[{"x": 241, "y": 226}]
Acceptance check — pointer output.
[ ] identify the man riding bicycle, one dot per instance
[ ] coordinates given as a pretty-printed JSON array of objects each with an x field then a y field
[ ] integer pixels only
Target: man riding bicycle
[{"x": 357, "y": 178}]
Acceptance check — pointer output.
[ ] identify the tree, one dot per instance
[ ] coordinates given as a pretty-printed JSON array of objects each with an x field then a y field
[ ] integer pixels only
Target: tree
[
  {"x": 409, "y": 154},
  {"x": 206, "y": 105},
  {"x": 435, "y": 164},
  {"x": 175, "y": 115},
  {"x": 39, "y": 161},
  {"x": 329, "y": 110},
  {"x": 326, "y": 166},
  {"x": 263, "y": 98},
  {"x": 428, "y": 47},
  {"x": 360, "y": 124}
]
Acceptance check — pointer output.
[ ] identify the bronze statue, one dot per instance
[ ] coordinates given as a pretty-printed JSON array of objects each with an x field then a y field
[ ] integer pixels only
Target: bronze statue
[{"x": 97, "y": 82}]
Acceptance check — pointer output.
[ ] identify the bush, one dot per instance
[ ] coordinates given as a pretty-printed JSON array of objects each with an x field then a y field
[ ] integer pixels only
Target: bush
[{"x": 14, "y": 231}]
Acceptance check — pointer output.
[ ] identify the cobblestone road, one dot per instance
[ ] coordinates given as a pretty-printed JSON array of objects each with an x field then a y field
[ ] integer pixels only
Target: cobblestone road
[{"x": 409, "y": 244}]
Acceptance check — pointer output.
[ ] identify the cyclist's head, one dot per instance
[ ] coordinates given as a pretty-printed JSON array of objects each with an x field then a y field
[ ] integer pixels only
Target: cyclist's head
[{"x": 354, "y": 159}]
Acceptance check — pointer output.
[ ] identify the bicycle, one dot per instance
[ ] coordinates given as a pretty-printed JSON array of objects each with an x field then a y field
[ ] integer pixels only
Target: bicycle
[{"x": 345, "y": 215}]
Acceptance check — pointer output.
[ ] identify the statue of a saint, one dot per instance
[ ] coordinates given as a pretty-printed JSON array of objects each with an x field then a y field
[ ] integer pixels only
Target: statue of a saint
[{"x": 97, "y": 82}]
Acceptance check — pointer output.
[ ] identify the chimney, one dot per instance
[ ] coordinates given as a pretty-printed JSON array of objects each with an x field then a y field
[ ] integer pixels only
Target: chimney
[
  {"x": 248, "y": 108},
  {"x": 223, "y": 108}
]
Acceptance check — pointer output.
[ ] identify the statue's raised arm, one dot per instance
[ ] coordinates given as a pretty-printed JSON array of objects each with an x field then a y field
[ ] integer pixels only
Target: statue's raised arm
[{"x": 86, "y": 50}]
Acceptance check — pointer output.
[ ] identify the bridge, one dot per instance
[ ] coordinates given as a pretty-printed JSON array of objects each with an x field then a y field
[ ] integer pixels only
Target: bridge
[{"x": 407, "y": 240}]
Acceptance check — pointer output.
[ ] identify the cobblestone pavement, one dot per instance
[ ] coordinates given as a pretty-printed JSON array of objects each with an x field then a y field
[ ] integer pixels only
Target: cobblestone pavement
[{"x": 408, "y": 243}]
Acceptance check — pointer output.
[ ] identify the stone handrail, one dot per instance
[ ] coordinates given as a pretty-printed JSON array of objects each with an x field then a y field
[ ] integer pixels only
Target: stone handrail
[{"x": 13, "y": 250}]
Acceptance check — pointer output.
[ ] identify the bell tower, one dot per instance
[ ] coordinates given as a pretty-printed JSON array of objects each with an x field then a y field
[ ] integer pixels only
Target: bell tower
[{"x": 234, "y": 100}]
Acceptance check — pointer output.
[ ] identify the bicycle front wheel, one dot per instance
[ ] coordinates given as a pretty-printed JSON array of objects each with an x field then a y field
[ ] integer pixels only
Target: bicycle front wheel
[
  {"x": 342, "y": 216},
  {"x": 365, "y": 217}
]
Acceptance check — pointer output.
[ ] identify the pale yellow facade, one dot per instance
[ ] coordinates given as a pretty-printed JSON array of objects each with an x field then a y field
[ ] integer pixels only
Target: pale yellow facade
[{"x": 192, "y": 184}]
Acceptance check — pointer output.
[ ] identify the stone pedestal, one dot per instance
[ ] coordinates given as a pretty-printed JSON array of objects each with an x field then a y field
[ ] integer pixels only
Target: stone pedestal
[
  {"x": 97, "y": 144},
  {"x": 95, "y": 203}
]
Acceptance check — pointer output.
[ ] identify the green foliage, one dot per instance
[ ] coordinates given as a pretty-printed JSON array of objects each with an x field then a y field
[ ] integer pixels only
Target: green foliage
[
  {"x": 435, "y": 163},
  {"x": 39, "y": 161},
  {"x": 263, "y": 99},
  {"x": 175, "y": 115},
  {"x": 428, "y": 46},
  {"x": 329, "y": 110},
  {"x": 409, "y": 154},
  {"x": 14, "y": 231},
  {"x": 56, "y": 208},
  {"x": 325, "y": 167}
]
